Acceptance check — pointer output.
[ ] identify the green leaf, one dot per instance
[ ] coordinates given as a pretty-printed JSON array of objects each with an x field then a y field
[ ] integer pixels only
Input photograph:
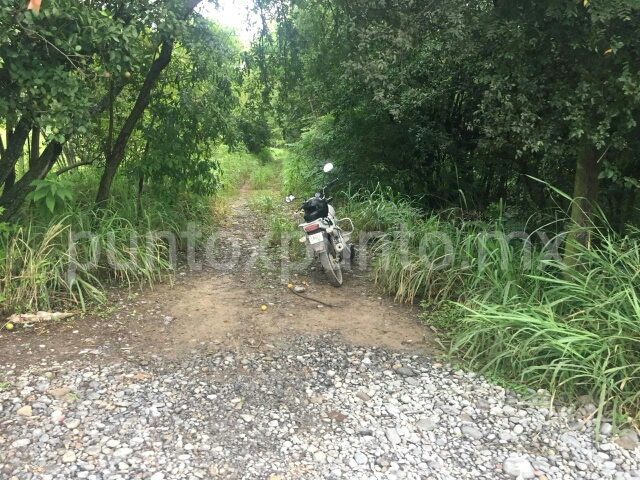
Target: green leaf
[
  {"x": 51, "y": 203},
  {"x": 39, "y": 194}
]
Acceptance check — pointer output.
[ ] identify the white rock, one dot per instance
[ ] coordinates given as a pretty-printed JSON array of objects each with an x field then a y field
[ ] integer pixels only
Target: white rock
[
  {"x": 122, "y": 452},
  {"x": 472, "y": 432},
  {"x": 428, "y": 424},
  {"x": 393, "y": 436},
  {"x": 518, "y": 467},
  {"x": 361, "y": 458},
  {"x": 69, "y": 457},
  {"x": 72, "y": 424},
  {"x": 23, "y": 442},
  {"x": 319, "y": 457}
]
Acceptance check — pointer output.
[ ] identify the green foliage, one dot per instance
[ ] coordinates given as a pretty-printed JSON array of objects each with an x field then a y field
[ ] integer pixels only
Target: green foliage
[
  {"x": 571, "y": 331},
  {"x": 265, "y": 156},
  {"x": 264, "y": 177},
  {"x": 434, "y": 98},
  {"x": 299, "y": 175},
  {"x": 51, "y": 195},
  {"x": 254, "y": 132},
  {"x": 48, "y": 60},
  {"x": 380, "y": 209},
  {"x": 235, "y": 169},
  {"x": 446, "y": 317},
  {"x": 281, "y": 224},
  {"x": 189, "y": 113},
  {"x": 263, "y": 204},
  {"x": 147, "y": 79},
  {"x": 578, "y": 334}
]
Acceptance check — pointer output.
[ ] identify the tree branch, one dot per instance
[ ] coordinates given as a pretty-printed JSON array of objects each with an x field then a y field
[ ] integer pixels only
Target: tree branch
[{"x": 72, "y": 166}]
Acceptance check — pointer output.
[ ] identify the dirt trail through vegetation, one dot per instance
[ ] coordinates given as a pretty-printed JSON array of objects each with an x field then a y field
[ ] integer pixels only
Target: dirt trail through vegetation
[{"x": 216, "y": 309}]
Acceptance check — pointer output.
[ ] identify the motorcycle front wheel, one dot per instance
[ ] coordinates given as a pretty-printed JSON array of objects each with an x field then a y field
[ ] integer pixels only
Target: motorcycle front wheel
[{"x": 331, "y": 268}]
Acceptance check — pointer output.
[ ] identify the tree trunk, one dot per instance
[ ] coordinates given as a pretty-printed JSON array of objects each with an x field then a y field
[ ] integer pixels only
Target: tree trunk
[
  {"x": 585, "y": 196},
  {"x": 15, "y": 148},
  {"x": 13, "y": 199},
  {"x": 115, "y": 157},
  {"x": 11, "y": 179},
  {"x": 34, "y": 153}
]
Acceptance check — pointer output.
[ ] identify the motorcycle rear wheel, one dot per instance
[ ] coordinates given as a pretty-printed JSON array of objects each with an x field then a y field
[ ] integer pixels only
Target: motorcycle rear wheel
[{"x": 331, "y": 268}]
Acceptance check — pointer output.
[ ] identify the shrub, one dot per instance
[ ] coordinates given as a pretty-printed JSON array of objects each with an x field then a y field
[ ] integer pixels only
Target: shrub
[
  {"x": 265, "y": 156},
  {"x": 573, "y": 331}
]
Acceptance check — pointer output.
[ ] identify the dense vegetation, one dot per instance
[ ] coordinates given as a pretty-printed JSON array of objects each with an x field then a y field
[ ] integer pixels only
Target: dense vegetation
[
  {"x": 112, "y": 115},
  {"x": 495, "y": 144},
  {"x": 460, "y": 126}
]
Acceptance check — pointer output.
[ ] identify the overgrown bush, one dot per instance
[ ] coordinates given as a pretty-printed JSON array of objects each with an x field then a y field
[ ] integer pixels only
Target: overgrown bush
[
  {"x": 58, "y": 266},
  {"x": 40, "y": 267},
  {"x": 519, "y": 313}
]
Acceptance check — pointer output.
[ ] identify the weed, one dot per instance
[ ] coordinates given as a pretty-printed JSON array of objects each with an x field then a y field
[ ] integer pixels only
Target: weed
[
  {"x": 511, "y": 312},
  {"x": 447, "y": 317},
  {"x": 263, "y": 203}
]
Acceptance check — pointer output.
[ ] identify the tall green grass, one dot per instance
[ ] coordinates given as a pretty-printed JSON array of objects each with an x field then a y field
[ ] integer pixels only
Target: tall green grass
[
  {"x": 576, "y": 331},
  {"x": 242, "y": 169},
  {"x": 572, "y": 331},
  {"x": 38, "y": 254},
  {"x": 35, "y": 273}
]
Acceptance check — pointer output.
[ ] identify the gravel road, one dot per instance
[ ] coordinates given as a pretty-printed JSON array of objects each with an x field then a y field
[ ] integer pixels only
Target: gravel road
[{"x": 309, "y": 408}]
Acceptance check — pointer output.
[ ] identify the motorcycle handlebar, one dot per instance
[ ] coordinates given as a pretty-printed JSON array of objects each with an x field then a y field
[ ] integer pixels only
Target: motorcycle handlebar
[{"x": 333, "y": 182}]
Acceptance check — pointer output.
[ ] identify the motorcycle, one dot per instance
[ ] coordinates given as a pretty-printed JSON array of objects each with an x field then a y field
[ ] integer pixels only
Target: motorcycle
[{"x": 330, "y": 243}]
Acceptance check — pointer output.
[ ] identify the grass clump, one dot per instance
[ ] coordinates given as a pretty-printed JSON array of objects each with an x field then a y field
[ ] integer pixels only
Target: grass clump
[
  {"x": 574, "y": 330},
  {"x": 65, "y": 263},
  {"x": 508, "y": 305}
]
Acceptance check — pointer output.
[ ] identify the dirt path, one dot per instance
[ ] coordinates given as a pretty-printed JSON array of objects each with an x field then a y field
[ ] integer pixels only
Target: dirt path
[{"x": 215, "y": 309}]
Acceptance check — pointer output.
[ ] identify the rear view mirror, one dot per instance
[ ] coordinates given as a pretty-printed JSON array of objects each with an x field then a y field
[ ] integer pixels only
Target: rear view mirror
[{"x": 328, "y": 167}]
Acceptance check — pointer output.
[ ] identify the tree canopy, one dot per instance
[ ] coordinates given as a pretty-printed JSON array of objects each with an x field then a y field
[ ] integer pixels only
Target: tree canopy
[
  {"x": 151, "y": 85},
  {"x": 437, "y": 98}
]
